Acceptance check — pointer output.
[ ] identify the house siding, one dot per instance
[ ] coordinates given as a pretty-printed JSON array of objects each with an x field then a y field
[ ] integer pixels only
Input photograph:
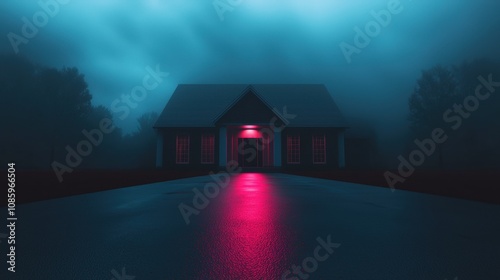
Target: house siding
[
  {"x": 169, "y": 150},
  {"x": 306, "y": 150}
]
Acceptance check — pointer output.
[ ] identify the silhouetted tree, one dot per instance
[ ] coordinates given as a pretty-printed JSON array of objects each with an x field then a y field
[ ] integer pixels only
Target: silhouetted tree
[
  {"x": 17, "y": 87},
  {"x": 145, "y": 139},
  {"x": 479, "y": 136},
  {"x": 64, "y": 105},
  {"x": 474, "y": 142},
  {"x": 138, "y": 149},
  {"x": 109, "y": 152},
  {"x": 435, "y": 92},
  {"x": 146, "y": 123},
  {"x": 46, "y": 110}
]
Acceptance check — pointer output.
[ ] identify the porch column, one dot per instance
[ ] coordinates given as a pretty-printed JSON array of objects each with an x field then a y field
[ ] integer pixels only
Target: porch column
[
  {"x": 223, "y": 146},
  {"x": 277, "y": 148},
  {"x": 341, "y": 147},
  {"x": 159, "y": 149}
]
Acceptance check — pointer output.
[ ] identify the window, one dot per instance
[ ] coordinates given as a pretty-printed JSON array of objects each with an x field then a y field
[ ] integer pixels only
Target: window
[
  {"x": 182, "y": 149},
  {"x": 207, "y": 148},
  {"x": 293, "y": 149},
  {"x": 319, "y": 149}
]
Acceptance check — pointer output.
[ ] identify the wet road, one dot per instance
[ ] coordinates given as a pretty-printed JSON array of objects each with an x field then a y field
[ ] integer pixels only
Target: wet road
[{"x": 255, "y": 226}]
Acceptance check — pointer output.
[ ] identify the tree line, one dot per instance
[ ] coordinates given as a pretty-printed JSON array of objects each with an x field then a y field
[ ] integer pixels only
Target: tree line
[
  {"x": 44, "y": 110},
  {"x": 464, "y": 102}
]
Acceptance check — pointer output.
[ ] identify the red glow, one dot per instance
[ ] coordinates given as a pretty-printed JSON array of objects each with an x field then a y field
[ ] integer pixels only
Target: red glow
[
  {"x": 247, "y": 238},
  {"x": 250, "y": 127},
  {"x": 250, "y": 133}
]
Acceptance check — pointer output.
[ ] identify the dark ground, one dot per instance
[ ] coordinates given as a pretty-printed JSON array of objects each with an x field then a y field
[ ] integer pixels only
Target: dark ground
[
  {"x": 36, "y": 185},
  {"x": 479, "y": 185},
  {"x": 259, "y": 226}
]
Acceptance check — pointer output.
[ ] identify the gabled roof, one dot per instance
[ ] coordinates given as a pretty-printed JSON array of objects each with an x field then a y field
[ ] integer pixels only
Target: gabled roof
[{"x": 201, "y": 105}]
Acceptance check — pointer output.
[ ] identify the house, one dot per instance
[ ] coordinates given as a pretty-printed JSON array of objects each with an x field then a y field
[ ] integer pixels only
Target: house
[{"x": 271, "y": 126}]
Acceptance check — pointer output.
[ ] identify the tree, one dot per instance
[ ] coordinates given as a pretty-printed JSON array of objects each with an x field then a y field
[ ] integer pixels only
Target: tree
[
  {"x": 145, "y": 140},
  {"x": 435, "y": 92},
  {"x": 17, "y": 84},
  {"x": 64, "y": 105},
  {"x": 46, "y": 109},
  {"x": 479, "y": 136},
  {"x": 146, "y": 123},
  {"x": 108, "y": 152},
  {"x": 476, "y": 142}
]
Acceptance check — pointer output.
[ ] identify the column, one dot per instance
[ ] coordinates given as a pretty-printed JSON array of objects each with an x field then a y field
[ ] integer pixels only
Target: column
[
  {"x": 341, "y": 147},
  {"x": 277, "y": 147},
  {"x": 159, "y": 149},
  {"x": 222, "y": 147}
]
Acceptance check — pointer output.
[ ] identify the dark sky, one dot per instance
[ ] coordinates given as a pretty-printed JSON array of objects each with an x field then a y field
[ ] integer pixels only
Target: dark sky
[{"x": 259, "y": 41}]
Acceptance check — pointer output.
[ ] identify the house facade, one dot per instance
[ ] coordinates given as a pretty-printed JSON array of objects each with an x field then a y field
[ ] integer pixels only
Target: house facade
[{"x": 261, "y": 126}]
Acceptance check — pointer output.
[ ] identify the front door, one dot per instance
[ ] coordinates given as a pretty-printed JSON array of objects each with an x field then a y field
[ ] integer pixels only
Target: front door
[{"x": 250, "y": 152}]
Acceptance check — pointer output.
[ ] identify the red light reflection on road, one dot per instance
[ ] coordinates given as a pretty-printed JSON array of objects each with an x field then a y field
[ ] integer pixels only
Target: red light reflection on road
[{"x": 246, "y": 240}]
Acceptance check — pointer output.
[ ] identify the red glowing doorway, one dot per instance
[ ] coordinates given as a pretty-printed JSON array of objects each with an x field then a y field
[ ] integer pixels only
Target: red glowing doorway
[
  {"x": 250, "y": 145},
  {"x": 250, "y": 152}
]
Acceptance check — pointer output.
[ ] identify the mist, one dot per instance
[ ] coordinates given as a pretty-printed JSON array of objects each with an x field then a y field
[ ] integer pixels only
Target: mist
[
  {"x": 113, "y": 44},
  {"x": 158, "y": 139}
]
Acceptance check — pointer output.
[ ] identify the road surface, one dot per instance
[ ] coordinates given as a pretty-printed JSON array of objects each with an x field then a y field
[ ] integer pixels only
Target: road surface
[{"x": 255, "y": 226}]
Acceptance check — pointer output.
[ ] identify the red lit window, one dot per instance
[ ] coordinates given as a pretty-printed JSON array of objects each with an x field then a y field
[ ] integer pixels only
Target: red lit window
[
  {"x": 207, "y": 148},
  {"x": 182, "y": 149},
  {"x": 293, "y": 149},
  {"x": 319, "y": 149}
]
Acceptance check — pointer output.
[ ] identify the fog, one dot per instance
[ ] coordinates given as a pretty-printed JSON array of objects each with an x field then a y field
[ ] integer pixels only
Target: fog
[{"x": 257, "y": 41}]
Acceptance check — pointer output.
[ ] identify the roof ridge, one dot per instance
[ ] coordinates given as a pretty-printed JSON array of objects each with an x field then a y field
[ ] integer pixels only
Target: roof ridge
[
  {"x": 244, "y": 92},
  {"x": 202, "y": 105}
]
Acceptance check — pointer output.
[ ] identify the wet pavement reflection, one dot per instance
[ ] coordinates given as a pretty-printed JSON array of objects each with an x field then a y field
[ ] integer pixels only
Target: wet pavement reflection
[{"x": 245, "y": 239}]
